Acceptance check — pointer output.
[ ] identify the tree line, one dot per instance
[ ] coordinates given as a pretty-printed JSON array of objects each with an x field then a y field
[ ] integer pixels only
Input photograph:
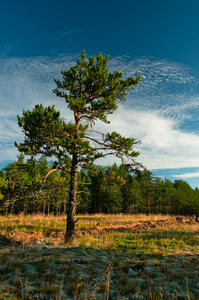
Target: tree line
[{"x": 24, "y": 187}]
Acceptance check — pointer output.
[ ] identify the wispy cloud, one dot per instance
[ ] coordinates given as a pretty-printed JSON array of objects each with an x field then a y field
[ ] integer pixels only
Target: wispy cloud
[
  {"x": 155, "y": 112},
  {"x": 163, "y": 145},
  {"x": 164, "y": 84},
  {"x": 187, "y": 175},
  {"x": 71, "y": 32}
]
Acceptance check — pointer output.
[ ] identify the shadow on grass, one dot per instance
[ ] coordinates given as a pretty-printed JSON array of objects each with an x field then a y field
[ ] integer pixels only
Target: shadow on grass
[
  {"x": 28, "y": 228},
  {"x": 5, "y": 241}
]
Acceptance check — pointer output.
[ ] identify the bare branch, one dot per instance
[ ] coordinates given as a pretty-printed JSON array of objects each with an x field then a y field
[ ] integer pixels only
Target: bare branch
[
  {"x": 90, "y": 117},
  {"x": 82, "y": 192},
  {"x": 53, "y": 170},
  {"x": 94, "y": 140},
  {"x": 90, "y": 130}
]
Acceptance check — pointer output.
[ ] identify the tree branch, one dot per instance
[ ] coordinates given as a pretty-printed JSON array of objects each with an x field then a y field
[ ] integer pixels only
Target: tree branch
[
  {"x": 82, "y": 192},
  {"x": 90, "y": 130},
  {"x": 53, "y": 170},
  {"x": 94, "y": 140}
]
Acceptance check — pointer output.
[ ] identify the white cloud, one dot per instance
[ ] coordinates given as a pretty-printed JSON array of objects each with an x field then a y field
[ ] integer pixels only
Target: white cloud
[
  {"x": 186, "y": 175},
  {"x": 153, "y": 112},
  {"x": 163, "y": 145}
]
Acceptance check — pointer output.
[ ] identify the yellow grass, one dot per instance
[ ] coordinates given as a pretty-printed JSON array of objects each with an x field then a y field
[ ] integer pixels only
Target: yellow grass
[
  {"x": 85, "y": 220},
  {"x": 42, "y": 223}
]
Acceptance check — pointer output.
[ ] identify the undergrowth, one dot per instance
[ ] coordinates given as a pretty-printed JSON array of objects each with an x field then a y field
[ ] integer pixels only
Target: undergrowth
[{"x": 154, "y": 241}]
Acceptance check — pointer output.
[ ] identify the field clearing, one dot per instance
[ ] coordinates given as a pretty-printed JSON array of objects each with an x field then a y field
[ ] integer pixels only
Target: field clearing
[
  {"x": 42, "y": 223},
  {"x": 159, "y": 260}
]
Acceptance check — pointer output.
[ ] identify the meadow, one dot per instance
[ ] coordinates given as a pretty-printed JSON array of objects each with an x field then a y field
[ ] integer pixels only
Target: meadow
[{"x": 159, "y": 259}]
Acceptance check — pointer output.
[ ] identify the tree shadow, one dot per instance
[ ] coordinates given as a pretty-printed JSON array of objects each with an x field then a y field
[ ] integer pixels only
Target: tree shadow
[{"x": 6, "y": 241}]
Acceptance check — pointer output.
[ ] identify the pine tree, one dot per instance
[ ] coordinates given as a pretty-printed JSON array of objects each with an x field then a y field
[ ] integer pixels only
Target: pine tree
[{"x": 91, "y": 93}]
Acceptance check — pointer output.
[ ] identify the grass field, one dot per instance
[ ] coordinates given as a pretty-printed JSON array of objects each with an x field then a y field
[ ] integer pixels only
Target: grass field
[
  {"x": 154, "y": 263},
  {"x": 53, "y": 223}
]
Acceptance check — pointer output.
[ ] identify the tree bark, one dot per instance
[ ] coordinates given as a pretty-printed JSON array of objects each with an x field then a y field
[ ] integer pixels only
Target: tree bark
[
  {"x": 44, "y": 207},
  {"x": 57, "y": 208},
  {"x": 196, "y": 218},
  {"x": 64, "y": 208},
  {"x": 70, "y": 229},
  {"x": 48, "y": 208}
]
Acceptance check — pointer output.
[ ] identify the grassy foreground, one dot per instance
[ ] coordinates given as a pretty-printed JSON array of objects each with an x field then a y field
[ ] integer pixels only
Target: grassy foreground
[
  {"x": 157, "y": 240},
  {"x": 156, "y": 263}
]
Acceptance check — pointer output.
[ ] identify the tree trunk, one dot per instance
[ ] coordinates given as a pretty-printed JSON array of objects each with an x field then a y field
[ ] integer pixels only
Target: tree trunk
[
  {"x": 196, "y": 218},
  {"x": 12, "y": 208},
  {"x": 48, "y": 208},
  {"x": 24, "y": 208},
  {"x": 70, "y": 229},
  {"x": 148, "y": 212},
  {"x": 34, "y": 209},
  {"x": 57, "y": 208},
  {"x": 64, "y": 208},
  {"x": 44, "y": 207}
]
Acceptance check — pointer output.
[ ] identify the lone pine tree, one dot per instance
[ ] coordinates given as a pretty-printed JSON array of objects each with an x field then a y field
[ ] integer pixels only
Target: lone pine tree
[{"x": 91, "y": 93}]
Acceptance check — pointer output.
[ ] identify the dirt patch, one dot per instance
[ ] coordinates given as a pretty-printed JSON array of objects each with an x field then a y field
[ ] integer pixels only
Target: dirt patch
[
  {"x": 42, "y": 238},
  {"x": 146, "y": 225}
]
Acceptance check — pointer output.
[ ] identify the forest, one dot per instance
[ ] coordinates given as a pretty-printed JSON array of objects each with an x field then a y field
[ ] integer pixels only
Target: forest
[{"x": 25, "y": 188}]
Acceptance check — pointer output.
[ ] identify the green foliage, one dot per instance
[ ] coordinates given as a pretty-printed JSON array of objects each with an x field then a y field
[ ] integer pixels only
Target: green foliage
[
  {"x": 46, "y": 133},
  {"x": 89, "y": 88},
  {"x": 24, "y": 187},
  {"x": 111, "y": 189}
]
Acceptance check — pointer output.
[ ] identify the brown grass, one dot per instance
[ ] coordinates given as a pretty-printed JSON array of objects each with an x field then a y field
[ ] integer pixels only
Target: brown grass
[{"x": 86, "y": 220}]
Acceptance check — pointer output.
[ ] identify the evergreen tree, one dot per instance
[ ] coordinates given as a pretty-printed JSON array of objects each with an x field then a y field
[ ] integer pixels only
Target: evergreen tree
[
  {"x": 196, "y": 204},
  {"x": 168, "y": 203},
  {"x": 110, "y": 190},
  {"x": 3, "y": 188},
  {"x": 91, "y": 93},
  {"x": 145, "y": 178},
  {"x": 18, "y": 181},
  {"x": 96, "y": 176},
  {"x": 184, "y": 197}
]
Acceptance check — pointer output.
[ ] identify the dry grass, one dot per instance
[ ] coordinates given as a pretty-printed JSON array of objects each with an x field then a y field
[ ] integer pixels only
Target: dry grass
[
  {"x": 40, "y": 222},
  {"x": 104, "y": 219}
]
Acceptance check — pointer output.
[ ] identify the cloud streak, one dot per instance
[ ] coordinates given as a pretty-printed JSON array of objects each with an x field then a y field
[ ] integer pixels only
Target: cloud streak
[
  {"x": 163, "y": 145},
  {"x": 155, "y": 112},
  {"x": 186, "y": 175}
]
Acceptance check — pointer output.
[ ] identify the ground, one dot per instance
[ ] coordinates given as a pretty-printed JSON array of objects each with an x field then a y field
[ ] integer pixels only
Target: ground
[{"x": 143, "y": 260}]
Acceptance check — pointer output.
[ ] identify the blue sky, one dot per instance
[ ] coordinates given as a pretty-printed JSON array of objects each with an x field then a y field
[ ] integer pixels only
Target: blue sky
[{"x": 159, "y": 39}]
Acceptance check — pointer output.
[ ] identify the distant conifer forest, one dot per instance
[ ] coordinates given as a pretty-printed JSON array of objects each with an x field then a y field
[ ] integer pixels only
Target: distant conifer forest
[{"x": 25, "y": 188}]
